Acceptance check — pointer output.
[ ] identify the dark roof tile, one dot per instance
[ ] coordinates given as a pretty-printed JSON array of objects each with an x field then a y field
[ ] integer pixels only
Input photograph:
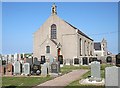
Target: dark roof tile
[{"x": 97, "y": 46}]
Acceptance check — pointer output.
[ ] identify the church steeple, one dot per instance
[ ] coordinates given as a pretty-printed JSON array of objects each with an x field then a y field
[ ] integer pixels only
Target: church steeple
[{"x": 54, "y": 9}]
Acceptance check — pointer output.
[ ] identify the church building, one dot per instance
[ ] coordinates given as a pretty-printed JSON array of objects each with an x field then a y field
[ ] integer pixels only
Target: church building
[{"x": 58, "y": 39}]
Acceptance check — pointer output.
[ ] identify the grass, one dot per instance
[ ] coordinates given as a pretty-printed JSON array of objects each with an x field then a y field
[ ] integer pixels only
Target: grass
[
  {"x": 27, "y": 82},
  {"x": 68, "y": 68},
  {"x": 76, "y": 84},
  {"x": 23, "y": 82},
  {"x": 103, "y": 66}
]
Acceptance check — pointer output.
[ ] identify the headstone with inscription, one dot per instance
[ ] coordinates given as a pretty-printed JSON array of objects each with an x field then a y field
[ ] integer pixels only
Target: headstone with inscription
[
  {"x": 118, "y": 60},
  {"x": 60, "y": 59},
  {"x": 55, "y": 67},
  {"x": 109, "y": 59},
  {"x": 112, "y": 77},
  {"x": 9, "y": 58},
  {"x": 15, "y": 57},
  {"x": 36, "y": 68},
  {"x": 76, "y": 61},
  {"x": 17, "y": 68},
  {"x": 26, "y": 68},
  {"x": 95, "y": 71},
  {"x": 44, "y": 69},
  {"x": 85, "y": 60},
  {"x": 9, "y": 69},
  {"x": 43, "y": 59}
]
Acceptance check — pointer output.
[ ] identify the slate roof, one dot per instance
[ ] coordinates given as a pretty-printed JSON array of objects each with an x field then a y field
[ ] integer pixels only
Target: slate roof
[
  {"x": 97, "y": 46},
  {"x": 80, "y": 32}
]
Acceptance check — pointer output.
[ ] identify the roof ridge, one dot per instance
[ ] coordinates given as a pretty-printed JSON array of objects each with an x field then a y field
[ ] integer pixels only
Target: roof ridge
[{"x": 79, "y": 31}]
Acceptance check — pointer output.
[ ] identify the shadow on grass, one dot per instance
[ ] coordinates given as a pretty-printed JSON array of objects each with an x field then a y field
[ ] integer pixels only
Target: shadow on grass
[{"x": 11, "y": 86}]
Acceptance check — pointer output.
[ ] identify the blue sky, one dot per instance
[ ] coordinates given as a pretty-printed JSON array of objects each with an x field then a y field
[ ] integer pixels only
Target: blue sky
[{"x": 21, "y": 20}]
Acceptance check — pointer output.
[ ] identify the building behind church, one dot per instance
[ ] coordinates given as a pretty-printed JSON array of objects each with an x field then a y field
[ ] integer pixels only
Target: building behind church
[{"x": 100, "y": 48}]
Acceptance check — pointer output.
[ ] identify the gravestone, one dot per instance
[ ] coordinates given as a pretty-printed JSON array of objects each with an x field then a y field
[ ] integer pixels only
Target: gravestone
[
  {"x": 19, "y": 57},
  {"x": 60, "y": 59},
  {"x": 90, "y": 59},
  {"x": 17, "y": 68},
  {"x": 43, "y": 59},
  {"x": 95, "y": 71},
  {"x": 55, "y": 67},
  {"x": 85, "y": 60},
  {"x": 118, "y": 60},
  {"x": 36, "y": 67},
  {"x": 44, "y": 69},
  {"x": 67, "y": 61},
  {"x": 51, "y": 59},
  {"x": 9, "y": 69},
  {"x": 9, "y": 58},
  {"x": 112, "y": 77},
  {"x": 12, "y": 58},
  {"x": 23, "y": 55},
  {"x": 2, "y": 68},
  {"x": 109, "y": 59},
  {"x": 15, "y": 57},
  {"x": 29, "y": 60},
  {"x": 100, "y": 61},
  {"x": 58, "y": 66},
  {"x": 76, "y": 61},
  {"x": 26, "y": 68}
]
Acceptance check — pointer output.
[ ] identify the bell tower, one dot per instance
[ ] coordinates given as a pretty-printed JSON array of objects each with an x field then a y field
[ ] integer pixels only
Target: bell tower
[{"x": 104, "y": 47}]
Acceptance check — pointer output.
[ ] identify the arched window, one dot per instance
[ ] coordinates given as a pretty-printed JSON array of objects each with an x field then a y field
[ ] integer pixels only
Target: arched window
[
  {"x": 88, "y": 48},
  {"x": 80, "y": 46},
  {"x": 85, "y": 47},
  {"x": 47, "y": 49},
  {"x": 91, "y": 49},
  {"x": 53, "y": 31}
]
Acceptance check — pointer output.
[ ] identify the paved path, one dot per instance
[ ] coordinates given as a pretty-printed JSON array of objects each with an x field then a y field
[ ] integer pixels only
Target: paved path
[{"x": 63, "y": 80}]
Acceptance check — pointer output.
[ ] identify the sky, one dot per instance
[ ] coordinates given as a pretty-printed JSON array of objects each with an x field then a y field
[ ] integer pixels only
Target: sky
[{"x": 20, "y": 20}]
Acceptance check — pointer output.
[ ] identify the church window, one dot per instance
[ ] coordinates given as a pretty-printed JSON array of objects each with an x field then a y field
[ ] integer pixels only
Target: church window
[
  {"x": 85, "y": 47},
  {"x": 53, "y": 31},
  {"x": 47, "y": 49},
  {"x": 80, "y": 46}
]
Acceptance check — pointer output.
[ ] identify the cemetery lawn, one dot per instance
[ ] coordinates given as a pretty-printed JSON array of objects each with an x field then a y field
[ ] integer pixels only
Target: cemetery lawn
[
  {"x": 23, "y": 82},
  {"x": 27, "y": 82},
  {"x": 68, "y": 68},
  {"x": 76, "y": 84}
]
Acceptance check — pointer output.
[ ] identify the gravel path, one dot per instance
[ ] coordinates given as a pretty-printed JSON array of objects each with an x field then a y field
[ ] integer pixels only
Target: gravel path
[{"x": 63, "y": 80}]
